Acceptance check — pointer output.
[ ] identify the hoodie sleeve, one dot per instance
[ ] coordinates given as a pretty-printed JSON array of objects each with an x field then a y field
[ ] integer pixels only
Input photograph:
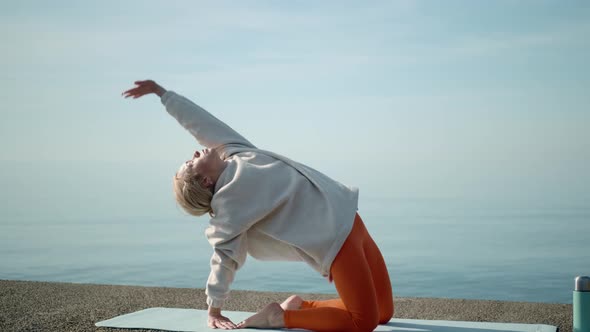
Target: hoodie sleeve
[
  {"x": 224, "y": 264},
  {"x": 239, "y": 204},
  {"x": 209, "y": 131},
  {"x": 227, "y": 235}
]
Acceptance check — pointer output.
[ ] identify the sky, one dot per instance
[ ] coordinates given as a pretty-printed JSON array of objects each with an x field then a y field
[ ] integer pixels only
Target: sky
[{"x": 457, "y": 100}]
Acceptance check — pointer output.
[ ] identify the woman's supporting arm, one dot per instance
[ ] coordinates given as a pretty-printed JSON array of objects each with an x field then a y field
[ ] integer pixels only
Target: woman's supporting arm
[{"x": 227, "y": 258}]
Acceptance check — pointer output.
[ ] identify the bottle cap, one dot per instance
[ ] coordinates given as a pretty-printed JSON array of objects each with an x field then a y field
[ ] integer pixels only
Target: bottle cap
[{"x": 582, "y": 284}]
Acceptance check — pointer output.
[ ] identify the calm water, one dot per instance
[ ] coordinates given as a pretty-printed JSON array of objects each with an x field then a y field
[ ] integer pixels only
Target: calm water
[{"x": 448, "y": 249}]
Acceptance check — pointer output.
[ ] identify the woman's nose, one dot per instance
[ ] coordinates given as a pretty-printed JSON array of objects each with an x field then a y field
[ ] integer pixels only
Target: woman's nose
[{"x": 196, "y": 154}]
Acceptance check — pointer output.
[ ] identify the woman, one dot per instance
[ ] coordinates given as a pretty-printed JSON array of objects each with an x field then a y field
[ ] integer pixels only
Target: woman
[{"x": 273, "y": 208}]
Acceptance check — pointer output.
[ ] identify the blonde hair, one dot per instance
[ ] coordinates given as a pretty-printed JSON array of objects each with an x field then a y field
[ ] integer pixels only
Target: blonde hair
[{"x": 191, "y": 196}]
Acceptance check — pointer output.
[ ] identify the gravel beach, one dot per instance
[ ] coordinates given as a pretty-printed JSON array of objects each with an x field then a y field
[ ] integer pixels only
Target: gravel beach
[{"x": 60, "y": 306}]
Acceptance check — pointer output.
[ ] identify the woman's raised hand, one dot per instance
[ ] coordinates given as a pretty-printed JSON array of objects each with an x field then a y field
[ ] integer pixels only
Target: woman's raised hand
[{"x": 144, "y": 88}]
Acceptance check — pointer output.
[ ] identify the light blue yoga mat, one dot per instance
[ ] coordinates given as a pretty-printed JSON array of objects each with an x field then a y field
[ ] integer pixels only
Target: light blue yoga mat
[{"x": 194, "y": 320}]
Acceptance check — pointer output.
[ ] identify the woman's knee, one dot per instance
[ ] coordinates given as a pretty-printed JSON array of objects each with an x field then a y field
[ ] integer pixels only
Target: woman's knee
[
  {"x": 367, "y": 322},
  {"x": 386, "y": 314},
  {"x": 367, "y": 327}
]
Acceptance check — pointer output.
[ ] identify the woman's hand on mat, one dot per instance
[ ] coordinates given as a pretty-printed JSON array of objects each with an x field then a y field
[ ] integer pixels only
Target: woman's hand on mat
[
  {"x": 144, "y": 88},
  {"x": 219, "y": 321}
]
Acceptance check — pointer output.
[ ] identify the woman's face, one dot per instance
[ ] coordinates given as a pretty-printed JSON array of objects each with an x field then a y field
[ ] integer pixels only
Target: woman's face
[{"x": 206, "y": 163}]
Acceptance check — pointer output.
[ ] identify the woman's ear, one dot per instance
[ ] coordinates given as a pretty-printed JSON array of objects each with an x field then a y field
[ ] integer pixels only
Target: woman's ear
[{"x": 207, "y": 182}]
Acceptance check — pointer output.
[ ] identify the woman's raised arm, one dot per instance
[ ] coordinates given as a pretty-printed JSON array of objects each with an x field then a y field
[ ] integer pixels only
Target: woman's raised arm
[{"x": 208, "y": 130}]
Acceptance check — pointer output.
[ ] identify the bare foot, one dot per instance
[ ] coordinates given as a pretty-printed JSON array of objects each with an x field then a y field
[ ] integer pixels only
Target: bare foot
[
  {"x": 269, "y": 317},
  {"x": 293, "y": 302}
]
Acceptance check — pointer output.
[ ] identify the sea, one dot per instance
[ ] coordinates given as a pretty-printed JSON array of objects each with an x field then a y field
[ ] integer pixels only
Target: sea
[{"x": 432, "y": 248}]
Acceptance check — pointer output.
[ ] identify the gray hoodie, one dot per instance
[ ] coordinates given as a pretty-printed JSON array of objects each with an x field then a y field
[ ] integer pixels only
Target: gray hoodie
[{"x": 265, "y": 205}]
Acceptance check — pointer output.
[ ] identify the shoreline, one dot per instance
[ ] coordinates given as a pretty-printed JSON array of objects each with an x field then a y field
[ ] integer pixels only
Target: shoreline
[{"x": 65, "y": 306}]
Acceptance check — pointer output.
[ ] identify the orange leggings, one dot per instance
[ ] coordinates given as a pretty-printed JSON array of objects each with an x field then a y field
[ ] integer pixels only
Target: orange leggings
[{"x": 362, "y": 282}]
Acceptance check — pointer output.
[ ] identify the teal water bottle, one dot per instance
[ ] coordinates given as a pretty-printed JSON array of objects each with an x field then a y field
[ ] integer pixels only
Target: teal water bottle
[{"x": 581, "y": 304}]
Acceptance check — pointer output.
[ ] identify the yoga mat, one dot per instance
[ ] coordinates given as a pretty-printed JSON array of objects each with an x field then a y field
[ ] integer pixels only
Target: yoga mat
[{"x": 194, "y": 320}]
